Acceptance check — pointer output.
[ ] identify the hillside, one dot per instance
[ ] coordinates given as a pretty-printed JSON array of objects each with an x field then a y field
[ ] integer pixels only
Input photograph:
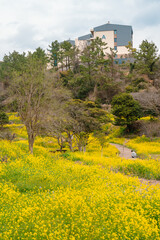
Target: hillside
[{"x": 75, "y": 195}]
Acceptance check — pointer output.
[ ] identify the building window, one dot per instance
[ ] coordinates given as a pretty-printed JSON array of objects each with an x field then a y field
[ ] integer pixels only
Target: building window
[
  {"x": 115, "y": 39},
  {"x": 55, "y": 63},
  {"x": 115, "y": 47},
  {"x": 115, "y": 32},
  {"x": 88, "y": 42},
  {"x": 103, "y": 37}
]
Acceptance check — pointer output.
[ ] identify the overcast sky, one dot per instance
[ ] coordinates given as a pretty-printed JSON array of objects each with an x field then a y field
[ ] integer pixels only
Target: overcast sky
[{"x": 28, "y": 24}]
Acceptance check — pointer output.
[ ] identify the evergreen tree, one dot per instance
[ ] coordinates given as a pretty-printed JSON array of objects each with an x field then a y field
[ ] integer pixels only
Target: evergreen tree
[
  {"x": 126, "y": 110},
  {"x": 11, "y": 63},
  {"x": 55, "y": 54},
  {"x": 65, "y": 54},
  {"x": 146, "y": 57},
  {"x": 91, "y": 61}
]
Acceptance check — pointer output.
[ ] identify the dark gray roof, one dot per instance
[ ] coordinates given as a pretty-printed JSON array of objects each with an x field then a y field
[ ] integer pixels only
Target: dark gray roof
[
  {"x": 124, "y": 32},
  {"x": 72, "y": 42},
  {"x": 85, "y": 37}
]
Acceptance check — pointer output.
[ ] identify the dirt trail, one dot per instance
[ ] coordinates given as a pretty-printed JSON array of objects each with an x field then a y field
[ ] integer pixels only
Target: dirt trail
[{"x": 126, "y": 153}]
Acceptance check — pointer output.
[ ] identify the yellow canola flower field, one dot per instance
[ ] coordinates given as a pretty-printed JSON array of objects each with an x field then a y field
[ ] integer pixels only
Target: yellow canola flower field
[
  {"x": 73, "y": 196},
  {"x": 149, "y": 169},
  {"x": 145, "y": 148},
  {"x": 73, "y": 201},
  {"x": 143, "y": 145}
]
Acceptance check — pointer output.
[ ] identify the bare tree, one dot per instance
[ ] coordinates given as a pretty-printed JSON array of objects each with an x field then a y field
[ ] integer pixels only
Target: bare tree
[
  {"x": 32, "y": 88},
  {"x": 149, "y": 99}
]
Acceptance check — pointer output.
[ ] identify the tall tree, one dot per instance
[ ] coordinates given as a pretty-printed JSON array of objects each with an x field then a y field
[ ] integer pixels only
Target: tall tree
[
  {"x": 146, "y": 57},
  {"x": 74, "y": 59},
  {"x": 91, "y": 60},
  {"x": 65, "y": 48},
  {"x": 92, "y": 56},
  {"x": 108, "y": 79},
  {"x": 55, "y": 55},
  {"x": 40, "y": 55},
  {"x": 11, "y": 63},
  {"x": 32, "y": 90}
]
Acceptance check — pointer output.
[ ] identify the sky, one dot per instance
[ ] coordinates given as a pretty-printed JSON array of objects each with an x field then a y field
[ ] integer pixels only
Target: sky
[{"x": 28, "y": 24}]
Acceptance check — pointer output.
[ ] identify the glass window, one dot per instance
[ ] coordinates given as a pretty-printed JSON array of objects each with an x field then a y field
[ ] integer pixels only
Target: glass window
[
  {"x": 55, "y": 63},
  {"x": 88, "y": 42},
  {"x": 103, "y": 37},
  {"x": 115, "y": 32},
  {"x": 115, "y": 39},
  {"x": 115, "y": 47}
]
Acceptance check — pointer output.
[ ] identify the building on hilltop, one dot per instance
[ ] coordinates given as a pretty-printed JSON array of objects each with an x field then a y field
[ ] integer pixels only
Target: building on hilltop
[{"x": 114, "y": 35}]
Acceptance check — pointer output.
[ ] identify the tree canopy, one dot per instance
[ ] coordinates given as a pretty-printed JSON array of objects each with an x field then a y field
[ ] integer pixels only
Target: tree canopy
[
  {"x": 31, "y": 88},
  {"x": 146, "y": 57},
  {"x": 65, "y": 99},
  {"x": 126, "y": 109}
]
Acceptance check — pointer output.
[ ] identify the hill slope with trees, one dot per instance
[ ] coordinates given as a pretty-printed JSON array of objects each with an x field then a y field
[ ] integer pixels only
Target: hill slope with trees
[{"x": 69, "y": 98}]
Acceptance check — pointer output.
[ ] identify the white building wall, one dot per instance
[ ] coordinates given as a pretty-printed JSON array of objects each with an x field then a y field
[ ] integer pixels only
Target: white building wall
[
  {"x": 80, "y": 44},
  {"x": 109, "y": 39},
  {"x": 122, "y": 50}
]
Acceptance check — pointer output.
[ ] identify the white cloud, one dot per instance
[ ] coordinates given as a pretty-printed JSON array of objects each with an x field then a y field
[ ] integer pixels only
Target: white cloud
[
  {"x": 147, "y": 33},
  {"x": 28, "y": 24}
]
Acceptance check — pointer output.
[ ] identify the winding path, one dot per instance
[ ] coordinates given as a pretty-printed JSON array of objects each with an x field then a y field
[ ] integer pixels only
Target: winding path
[{"x": 126, "y": 153}]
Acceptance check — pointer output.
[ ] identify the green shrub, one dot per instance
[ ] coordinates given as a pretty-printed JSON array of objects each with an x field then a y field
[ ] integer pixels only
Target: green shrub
[
  {"x": 143, "y": 138},
  {"x": 4, "y": 119}
]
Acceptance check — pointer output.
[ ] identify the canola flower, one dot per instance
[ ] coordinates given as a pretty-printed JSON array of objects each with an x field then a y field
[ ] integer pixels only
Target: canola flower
[
  {"x": 14, "y": 118},
  {"x": 149, "y": 169},
  {"x": 143, "y": 145},
  {"x": 145, "y": 148},
  {"x": 88, "y": 203},
  {"x": 74, "y": 196}
]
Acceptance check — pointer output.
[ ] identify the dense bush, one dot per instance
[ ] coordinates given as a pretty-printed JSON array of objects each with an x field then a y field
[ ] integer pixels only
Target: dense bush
[
  {"x": 3, "y": 119},
  {"x": 125, "y": 109}
]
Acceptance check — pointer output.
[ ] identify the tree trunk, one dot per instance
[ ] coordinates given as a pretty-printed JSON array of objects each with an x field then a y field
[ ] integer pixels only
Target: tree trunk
[
  {"x": 60, "y": 142},
  {"x": 84, "y": 149},
  {"x": 31, "y": 142},
  {"x": 69, "y": 140},
  {"x": 70, "y": 145},
  {"x": 79, "y": 145},
  {"x": 79, "y": 148}
]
